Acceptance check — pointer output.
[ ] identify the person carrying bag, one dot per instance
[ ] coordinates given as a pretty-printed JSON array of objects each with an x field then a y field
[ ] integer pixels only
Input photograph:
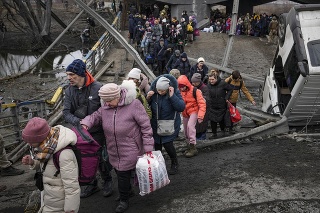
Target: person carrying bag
[{"x": 166, "y": 102}]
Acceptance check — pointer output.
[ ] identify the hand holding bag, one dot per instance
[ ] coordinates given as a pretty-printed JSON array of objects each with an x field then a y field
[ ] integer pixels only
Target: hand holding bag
[{"x": 234, "y": 113}]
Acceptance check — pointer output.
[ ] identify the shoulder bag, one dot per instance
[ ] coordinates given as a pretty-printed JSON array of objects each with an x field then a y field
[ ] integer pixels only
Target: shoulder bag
[{"x": 165, "y": 127}]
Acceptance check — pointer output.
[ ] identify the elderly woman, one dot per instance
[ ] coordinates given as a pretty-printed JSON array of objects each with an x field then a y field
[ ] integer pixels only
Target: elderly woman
[
  {"x": 61, "y": 193},
  {"x": 128, "y": 132},
  {"x": 166, "y": 104}
]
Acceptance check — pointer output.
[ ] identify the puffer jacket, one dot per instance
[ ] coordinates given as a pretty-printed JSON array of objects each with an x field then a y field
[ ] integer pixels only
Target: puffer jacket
[
  {"x": 219, "y": 93},
  {"x": 193, "y": 105},
  {"x": 61, "y": 193},
  {"x": 127, "y": 129},
  {"x": 235, "y": 84},
  {"x": 167, "y": 106}
]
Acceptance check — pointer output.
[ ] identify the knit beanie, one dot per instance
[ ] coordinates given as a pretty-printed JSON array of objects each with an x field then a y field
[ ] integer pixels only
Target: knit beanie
[
  {"x": 177, "y": 52},
  {"x": 163, "y": 83},
  {"x": 78, "y": 67},
  {"x": 201, "y": 60},
  {"x": 134, "y": 73},
  {"x": 184, "y": 55},
  {"x": 36, "y": 130},
  {"x": 196, "y": 78},
  {"x": 175, "y": 73},
  {"x": 109, "y": 92}
]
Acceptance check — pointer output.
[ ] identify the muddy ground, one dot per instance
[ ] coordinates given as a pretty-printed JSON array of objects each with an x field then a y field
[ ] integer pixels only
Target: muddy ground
[{"x": 272, "y": 174}]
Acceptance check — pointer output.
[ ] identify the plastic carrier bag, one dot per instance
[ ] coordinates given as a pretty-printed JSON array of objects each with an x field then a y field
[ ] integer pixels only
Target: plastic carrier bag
[{"x": 151, "y": 172}]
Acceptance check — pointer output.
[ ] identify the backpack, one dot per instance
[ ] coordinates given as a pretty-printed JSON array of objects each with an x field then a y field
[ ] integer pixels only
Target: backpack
[
  {"x": 194, "y": 93},
  {"x": 241, "y": 82},
  {"x": 189, "y": 28},
  {"x": 87, "y": 152}
]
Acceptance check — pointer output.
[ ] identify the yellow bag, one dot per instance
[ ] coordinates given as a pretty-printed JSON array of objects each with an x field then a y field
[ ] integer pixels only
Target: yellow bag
[{"x": 189, "y": 28}]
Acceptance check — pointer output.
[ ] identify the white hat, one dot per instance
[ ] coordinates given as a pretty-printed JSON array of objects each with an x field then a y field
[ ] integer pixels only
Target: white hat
[
  {"x": 134, "y": 73},
  {"x": 201, "y": 59}
]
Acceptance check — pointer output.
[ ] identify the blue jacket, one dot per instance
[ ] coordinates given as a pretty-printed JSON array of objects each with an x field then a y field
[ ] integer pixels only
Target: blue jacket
[{"x": 167, "y": 107}]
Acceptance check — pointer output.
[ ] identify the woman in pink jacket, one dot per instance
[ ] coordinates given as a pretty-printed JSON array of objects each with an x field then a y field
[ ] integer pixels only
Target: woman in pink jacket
[{"x": 128, "y": 132}]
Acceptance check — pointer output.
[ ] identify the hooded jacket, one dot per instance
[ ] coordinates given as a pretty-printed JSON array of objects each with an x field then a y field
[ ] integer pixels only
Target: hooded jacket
[
  {"x": 61, "y": 193},
  {"x": 235, "y": 84},
  {"x": 127, "y": 129},
  {"x": 193, "y": 105},
  {"x": 167, "y": 106},
  {"x": 183, "y": 66}
]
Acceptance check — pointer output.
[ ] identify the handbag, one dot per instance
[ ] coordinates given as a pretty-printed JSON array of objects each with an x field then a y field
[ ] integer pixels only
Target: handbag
[
  {"x": 38, "y": 177},
  {"x": 165, "y": 127},
  {"x": 151, "y": 172},
  {"x": 197, "y": 32},
  {"x": 234, "y": 113}
]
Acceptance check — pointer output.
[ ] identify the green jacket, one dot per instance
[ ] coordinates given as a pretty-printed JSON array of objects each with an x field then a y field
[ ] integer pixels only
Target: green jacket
[{"x": 144, "y": 102}]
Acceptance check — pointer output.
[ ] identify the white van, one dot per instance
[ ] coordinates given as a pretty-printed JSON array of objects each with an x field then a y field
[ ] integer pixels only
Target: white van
[{"x": 292, "y": 86}]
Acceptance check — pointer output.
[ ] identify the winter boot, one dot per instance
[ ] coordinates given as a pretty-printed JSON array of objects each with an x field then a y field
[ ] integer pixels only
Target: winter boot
[
  {"x": 107, "y": 188},
  {"x": 192, "y": 151},
  {"x": 174, "y": 166},
  {"x": 123, "y": 206},
  {"x": 11, "y": 171}
]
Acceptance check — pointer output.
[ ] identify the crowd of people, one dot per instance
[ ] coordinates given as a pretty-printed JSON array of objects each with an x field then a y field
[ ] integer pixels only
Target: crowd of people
[
  {"x": 259, "y": 25},
  {"x": 158, "y": 36},
  {"x": 124, "y": 119}
]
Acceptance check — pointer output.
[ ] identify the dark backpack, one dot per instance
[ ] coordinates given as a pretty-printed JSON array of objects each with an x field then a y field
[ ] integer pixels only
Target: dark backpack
[{"x": 87, "y": 152}]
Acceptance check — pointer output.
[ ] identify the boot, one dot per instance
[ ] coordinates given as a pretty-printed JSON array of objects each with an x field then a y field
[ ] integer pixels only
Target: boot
[
  {"x": 11, "y": 171},
  {"x": 107, "y": 188},
  {"x": 174, "y": 166},
  {"x": 89, "y": 189},
  {"x": 123, "y": 206},
  {"x": 192, "y": 151}
]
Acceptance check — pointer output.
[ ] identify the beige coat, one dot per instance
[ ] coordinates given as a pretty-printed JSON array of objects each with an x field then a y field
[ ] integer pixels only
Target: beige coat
[
  {"x": 61, "y": 193},
  {"x": 235, "y": 84}
]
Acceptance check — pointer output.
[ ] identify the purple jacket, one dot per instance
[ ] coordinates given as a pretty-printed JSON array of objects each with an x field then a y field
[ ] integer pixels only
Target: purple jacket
[{"x": 127, "y": 129}]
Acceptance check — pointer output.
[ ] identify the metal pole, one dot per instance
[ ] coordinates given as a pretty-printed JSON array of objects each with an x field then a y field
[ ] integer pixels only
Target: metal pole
[
  {"x": 231, "y": 34},
  {"x": 31, "y": 68}
]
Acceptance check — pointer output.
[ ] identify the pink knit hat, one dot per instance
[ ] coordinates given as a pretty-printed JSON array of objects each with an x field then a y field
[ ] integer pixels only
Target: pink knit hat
[
  {"x": 36, "y": 130},
  {"x": 109, "y": 92}
]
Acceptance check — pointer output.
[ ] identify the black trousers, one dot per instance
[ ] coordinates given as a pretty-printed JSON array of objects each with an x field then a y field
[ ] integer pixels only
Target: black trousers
[
  {"x": 214, "y": 126},
  {"x": 124, "y": 184},
  {"x": 169, "y": 147}
]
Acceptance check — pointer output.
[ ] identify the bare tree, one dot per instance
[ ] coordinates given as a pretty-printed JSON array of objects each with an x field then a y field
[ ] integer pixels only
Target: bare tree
[{"x": 37, "y": 20}]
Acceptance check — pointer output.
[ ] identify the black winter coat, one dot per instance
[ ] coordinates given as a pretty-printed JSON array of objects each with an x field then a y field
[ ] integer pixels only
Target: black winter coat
[{"x": 217, "y": 107}]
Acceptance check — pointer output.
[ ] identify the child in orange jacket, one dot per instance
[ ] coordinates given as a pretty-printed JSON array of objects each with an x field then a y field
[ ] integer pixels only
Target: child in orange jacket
[{"x": 194, "y": 111}]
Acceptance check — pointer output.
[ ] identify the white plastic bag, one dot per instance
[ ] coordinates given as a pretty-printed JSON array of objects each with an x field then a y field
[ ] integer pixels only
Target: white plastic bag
[{"x": 151, "y": 172}]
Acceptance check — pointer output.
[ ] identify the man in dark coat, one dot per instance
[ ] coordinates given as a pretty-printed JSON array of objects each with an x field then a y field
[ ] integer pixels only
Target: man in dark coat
[{"x": 82, "y": 99}]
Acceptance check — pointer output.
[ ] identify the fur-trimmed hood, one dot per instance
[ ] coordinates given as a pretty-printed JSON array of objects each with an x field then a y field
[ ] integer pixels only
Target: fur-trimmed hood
[{"x": 128, "y": 92}]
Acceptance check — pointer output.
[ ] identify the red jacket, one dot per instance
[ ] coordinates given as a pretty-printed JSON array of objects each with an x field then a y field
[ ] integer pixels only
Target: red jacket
[{"x": 192, "y": 105}]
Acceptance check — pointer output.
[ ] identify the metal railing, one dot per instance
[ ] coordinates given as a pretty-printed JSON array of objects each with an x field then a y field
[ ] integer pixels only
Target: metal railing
[
  {"x": 14, "y": 116},
  {"x": 100, "y": 49}
]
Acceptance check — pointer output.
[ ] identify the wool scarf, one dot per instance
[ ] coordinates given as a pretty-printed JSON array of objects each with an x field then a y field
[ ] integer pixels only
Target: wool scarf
[{"x": 47, "y": 147}]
